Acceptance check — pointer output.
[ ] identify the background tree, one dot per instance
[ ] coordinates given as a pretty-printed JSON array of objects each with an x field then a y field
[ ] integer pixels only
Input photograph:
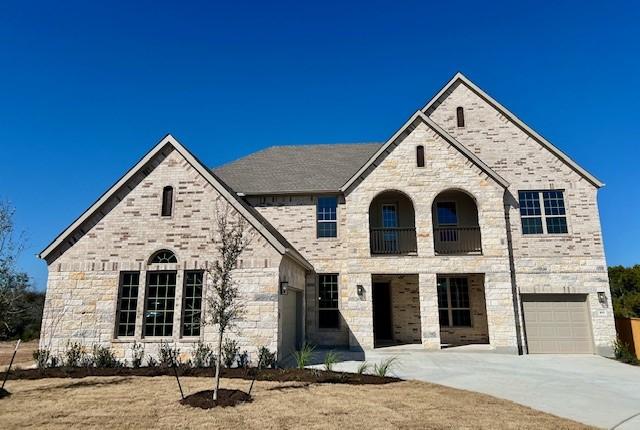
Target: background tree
[
  {"x": 20, "y": 307},
  {"x": 625, "y": 290},
  {"x": 224, "y": 306}
]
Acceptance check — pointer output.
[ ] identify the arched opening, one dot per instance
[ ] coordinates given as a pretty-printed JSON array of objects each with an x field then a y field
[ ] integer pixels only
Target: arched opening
[
  {"x": 392, "y": 224},
  {"x": 163, "y": 256},
  {"x": 455, "y": 224}
]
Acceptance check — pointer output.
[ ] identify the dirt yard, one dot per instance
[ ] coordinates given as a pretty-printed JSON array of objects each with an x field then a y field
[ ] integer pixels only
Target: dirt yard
[
  {"x": 24, "y": 357},
  {"x": 145, "y": 402}
]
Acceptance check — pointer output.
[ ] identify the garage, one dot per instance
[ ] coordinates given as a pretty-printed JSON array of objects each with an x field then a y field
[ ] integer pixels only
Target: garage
[
  {"x": 557, "y": 324},
  {"x": 291, "y": 322}
]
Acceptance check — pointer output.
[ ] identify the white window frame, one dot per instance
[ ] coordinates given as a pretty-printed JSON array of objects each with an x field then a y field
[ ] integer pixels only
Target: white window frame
[{"x": 319, "y": 221}]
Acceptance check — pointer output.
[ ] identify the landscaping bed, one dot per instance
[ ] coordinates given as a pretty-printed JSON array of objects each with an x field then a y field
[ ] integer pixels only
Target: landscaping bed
[
  {"x": 276, "y": 375},
  {"x": 204, "y": 399}
]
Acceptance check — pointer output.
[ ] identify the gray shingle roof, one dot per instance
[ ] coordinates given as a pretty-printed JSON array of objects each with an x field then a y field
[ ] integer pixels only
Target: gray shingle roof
[{"x": 296, "y": 169}]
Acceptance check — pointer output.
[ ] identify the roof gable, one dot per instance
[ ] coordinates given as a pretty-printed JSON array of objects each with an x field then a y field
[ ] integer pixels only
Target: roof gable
[
  {"x": 459, "y": 78},
  {"x": 403, "y": 132},
  {"x": 140, "y": 170}
]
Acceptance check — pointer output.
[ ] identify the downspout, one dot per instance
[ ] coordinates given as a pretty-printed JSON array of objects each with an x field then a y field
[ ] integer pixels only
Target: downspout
[{"x": 509, "y": 201}]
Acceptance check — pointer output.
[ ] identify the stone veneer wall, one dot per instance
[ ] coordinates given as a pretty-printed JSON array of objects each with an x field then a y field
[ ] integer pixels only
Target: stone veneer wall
[
  {"x": 478, "y": 332},
  {"x": 82, "y": 286},
  {"x": 568, "y": 263}
]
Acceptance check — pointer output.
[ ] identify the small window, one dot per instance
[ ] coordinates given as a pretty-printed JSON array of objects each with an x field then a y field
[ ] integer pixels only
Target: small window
[
  {"x": 420, "y": 156},
  {"x": 327, "y": 216},
  {"x": 447, "y": 213},
  {"x": 192, "y": 303},
  {"x": 163, "y": 256},
  {"x": 460, "y": 116},
  {"x": 127, "y": 304},
  {"x": 167, "y": 201},
  {"x": 531, "y": 215},
  {"x": 328, "y": 313},
  {"x": 453, "y": 302},
  {"x": 159, "y": 304}
]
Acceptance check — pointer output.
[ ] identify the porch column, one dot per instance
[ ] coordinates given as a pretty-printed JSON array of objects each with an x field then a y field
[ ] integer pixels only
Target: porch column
[
  {"x": 429, "y": 320},
  {"x": 357, "y": 311},
  {"x": 500, "y": 312}
]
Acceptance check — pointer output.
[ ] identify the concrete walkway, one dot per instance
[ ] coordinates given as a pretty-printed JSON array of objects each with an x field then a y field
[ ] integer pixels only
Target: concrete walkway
[{"x": 590, "y": 389}]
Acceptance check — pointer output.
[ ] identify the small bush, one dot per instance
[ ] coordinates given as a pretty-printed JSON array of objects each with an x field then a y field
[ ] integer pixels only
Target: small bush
[
  {"x": 623, "y": 352},
  {"x": 41, "y": 357},
  {"x": 363, "y": 368},
  {"x": 104, "y": 357},
  {"x": 243, "y": 360},
  {"x": 384, "y": 367},
  {"x": 54, "y": 361},
  {"x": 137, "y": 354},
  {"x": 168, "y": 355},
  {"x": 203, "y": 355},
  {"x": 152, "y": 362},
  {"x": 230, "y": 350},
  {"x": 330, "y": 359},
  {"x": 266, "y": 358},
  {"x": 303, "y": 357},
  {"x": 74, "y": 354}
]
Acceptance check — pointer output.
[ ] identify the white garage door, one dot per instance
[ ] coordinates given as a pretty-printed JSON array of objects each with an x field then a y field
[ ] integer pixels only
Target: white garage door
[{"x": 557, "y": 323}]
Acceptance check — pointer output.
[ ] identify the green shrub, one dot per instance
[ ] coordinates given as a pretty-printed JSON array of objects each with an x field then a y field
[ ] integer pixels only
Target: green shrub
[
  {"x": 104, "y": 357},
  {"x": 230, "y": 350},
  {"x": 243, "y": 360},
  {"x": 203, "y": 355},
  {"x": 54, "y": 361},
  {"x": 330, "y": 359},
  {"x": 303, "y": 356},
  {"x": 363, "y": 368},
  {"x": 41, "y": 357},
  {"x": 152, "y": 362},
  {"x": 623, "y": 352},
  {"x": 384, "y": 367},
  {"x": 74, "y": 354},
  {"x": 168, "y": 355},
  {"x": 137, "y": 354},
  {"x": 266, "y": 358}
]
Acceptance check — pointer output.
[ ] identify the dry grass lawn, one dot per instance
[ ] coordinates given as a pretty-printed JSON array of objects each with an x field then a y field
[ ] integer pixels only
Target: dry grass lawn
[
  {"x": 139, "y": 402},
  {"x": 24, "y": 356}
]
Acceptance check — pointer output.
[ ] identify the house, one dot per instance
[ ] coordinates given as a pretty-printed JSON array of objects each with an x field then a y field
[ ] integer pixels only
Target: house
[{"x": 464, "y": 227}]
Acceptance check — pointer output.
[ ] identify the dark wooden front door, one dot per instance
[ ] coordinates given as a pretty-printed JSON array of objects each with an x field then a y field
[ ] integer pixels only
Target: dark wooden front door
[{"x": 382, "y": 329}]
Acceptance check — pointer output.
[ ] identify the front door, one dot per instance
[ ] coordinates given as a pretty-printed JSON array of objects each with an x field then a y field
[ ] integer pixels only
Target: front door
[{"x": 382, "y": 330}]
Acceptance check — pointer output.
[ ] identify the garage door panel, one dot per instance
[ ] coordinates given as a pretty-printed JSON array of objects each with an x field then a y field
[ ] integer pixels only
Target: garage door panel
[{"x": 557, "y": 323}]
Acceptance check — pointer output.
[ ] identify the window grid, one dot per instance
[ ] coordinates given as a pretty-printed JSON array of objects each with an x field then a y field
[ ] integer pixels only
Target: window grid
[
  {"x": 164, "y": 256},
  {"x": 327, "y": 216},
  {"x": 192, "y": 303},
  {"x": 159, "y": 304},
  {"x": 453, "y": 302},
  {"x": 531, "y": 215},
  {"x": 328, "y": 313},
  {"x": 127, "y": 303}
]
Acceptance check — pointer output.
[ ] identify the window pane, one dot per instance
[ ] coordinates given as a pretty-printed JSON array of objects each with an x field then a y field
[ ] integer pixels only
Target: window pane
[
  {"x": 327, "y": 229},
  {"x": 328, "y": 318},
  {"x": 389, "y": 216},
  {"x": 460, "y": 116},
  {"x": 192, "y": 303},
  {"x": 444, "y": 317},
  {"x": 553, "y": 203},
  {"x": 327, "y": 216},
  {"x": 127, "y": 304},
  {"x": 529, "y": 203},
  {"x": 447, "y": 213},
  {"x": 159, "y": 304},
  {"x": 461, "y": 317},
  {"x": 328, "y": 313},
  {"x": 164, "y": 256},
  {"x": 557, "y": 225},
  {"x": 443, "y": 302},
  {"x": 532, "y": 225},
  {"x": 459, "y": 292},
  {"x": 420, "y": 156},
  {"x": 167, "y": 201}
]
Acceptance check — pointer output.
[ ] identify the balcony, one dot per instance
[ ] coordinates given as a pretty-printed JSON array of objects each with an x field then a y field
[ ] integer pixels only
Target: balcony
[
  {"x": 393, "y": 241},
  {"x": 392, "y": 228},
  {"x": 457, "y": 240},
  {"x": 455, "y": 224}
]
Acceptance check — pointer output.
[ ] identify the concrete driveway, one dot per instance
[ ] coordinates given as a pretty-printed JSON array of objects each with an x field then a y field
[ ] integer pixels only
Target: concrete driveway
[{"x": 590, "y": 389}]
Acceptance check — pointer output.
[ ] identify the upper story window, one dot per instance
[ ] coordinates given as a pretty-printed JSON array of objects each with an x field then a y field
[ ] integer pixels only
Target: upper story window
[
  {"x": 167, "y": 201},
  {"x": 447, "y": 213},
  {"x": 327, "y": 216},
  {"x": 552, "y": 220},
  {"x": 420, "y": 156},
  {"x": 460, "y": 116},
  {"x": 163, "y": 256},
  {"x": 328, "y": 313}
]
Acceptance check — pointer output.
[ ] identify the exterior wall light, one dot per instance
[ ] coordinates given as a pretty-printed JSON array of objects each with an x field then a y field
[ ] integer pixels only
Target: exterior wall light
[
  {"x": 602, "y": 298},
  {"x": 284, "y": 285},
  {"x": 360, "y": 290}
]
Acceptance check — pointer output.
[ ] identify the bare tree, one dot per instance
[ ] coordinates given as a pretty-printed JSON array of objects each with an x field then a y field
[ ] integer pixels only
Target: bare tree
[{"x": 224, "y": 306}]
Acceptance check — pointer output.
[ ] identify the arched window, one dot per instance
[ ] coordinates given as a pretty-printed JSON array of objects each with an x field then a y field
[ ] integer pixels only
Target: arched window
[
  {"x": 460, "y": 115},
  {"x": 167, "y": 201},
  {"x": 420, "y": 156},
  {"x": 163, "y": 256}
]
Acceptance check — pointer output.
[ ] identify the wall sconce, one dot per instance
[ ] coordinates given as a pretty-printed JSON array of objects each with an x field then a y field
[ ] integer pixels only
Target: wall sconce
[
  {"x": 360, "y": 290},
  {"x": 602, "y": 298},
  {"x": 284, "y": 285}
]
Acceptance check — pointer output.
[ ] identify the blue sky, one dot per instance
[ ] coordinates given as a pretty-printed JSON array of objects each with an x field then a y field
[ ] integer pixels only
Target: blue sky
[{"x": 88, "y": 87}]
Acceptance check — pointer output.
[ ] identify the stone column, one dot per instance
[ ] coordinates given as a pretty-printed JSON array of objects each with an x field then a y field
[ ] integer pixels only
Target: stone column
[
  {"x": 429, "y": 320},
  {"x": 500, "y": 312},
  {"x": 357, "y": 311}
]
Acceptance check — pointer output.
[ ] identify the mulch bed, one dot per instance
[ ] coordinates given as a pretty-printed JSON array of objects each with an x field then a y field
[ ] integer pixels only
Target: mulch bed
[
  {"x": 276, "y": 375},
  {"x": 204, "y": 399},
  {"x": 4, "y": 393}
]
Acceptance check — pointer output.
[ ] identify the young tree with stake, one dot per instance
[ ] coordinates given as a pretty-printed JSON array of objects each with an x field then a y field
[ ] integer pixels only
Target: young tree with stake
[{"x": 224, "y": 306}]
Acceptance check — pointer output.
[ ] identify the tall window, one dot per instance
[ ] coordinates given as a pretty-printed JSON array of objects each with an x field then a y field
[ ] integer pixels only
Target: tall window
[
  {"x": 328, "y": 313},
  {"x": 167, "y": 201},
  {"x": 159, "y": 304},
  {"x": 420, "y": 156},
  {"x": 460, "y": 116},
  {"x": 127, "y": 303},
  {"x": 531, "y": 214},
  {"x": 453, "y": 302},
  {"x": 327, "y": 216},
  {"x": 192, "y": 303}
]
